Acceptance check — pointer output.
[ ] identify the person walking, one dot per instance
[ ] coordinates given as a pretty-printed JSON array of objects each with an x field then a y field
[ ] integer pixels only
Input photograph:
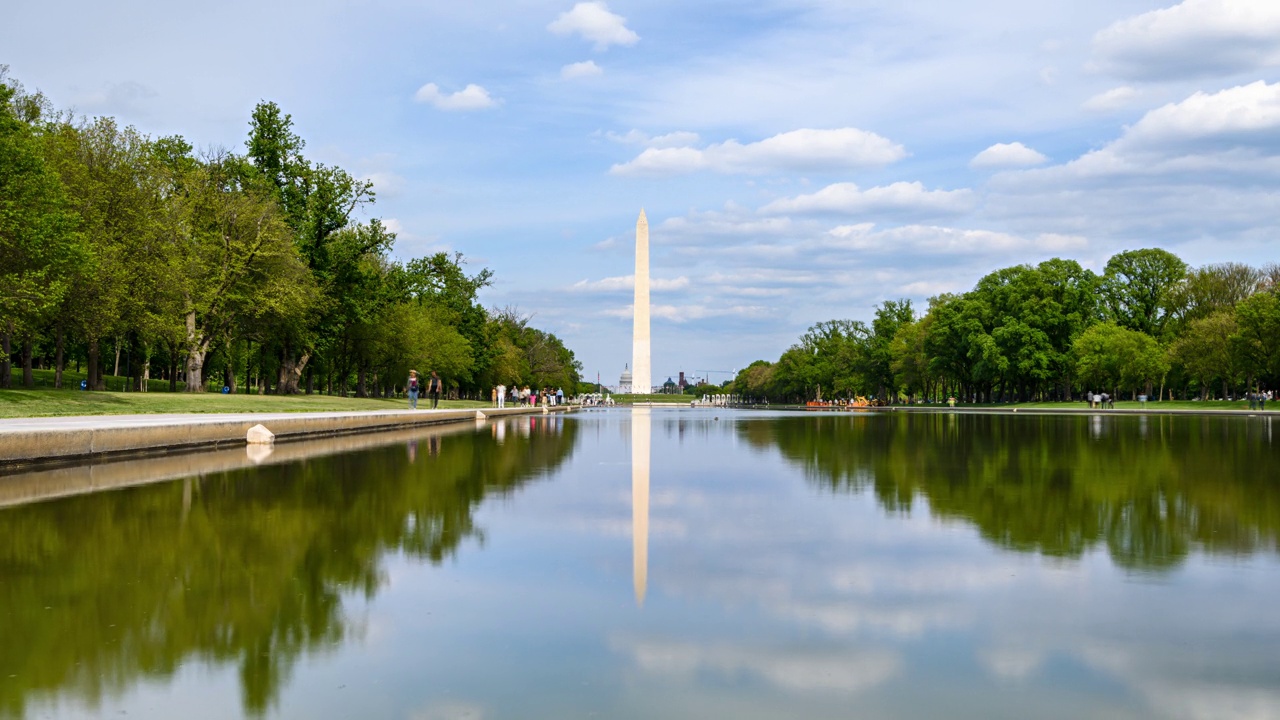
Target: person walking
[
  {"x": 502, "y": 396},
  {"x": 559, "y": 396},
  {"x": 413, "y": 389},
  {"x": 433, "y": 389}
]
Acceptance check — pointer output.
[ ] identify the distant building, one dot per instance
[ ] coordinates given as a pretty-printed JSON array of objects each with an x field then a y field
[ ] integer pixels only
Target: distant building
[
  {"x": 624, "y": 383},
  {"x": 669, "y": 387}
]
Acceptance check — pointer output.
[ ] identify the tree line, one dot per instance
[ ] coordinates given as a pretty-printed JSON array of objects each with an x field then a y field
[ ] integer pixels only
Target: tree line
[
  {"x": 1148, "y": 324},
  {"x": 210, "y": 268}
]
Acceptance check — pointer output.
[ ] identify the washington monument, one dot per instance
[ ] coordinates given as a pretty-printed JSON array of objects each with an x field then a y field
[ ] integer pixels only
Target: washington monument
[{"x": 641, "y": 380}]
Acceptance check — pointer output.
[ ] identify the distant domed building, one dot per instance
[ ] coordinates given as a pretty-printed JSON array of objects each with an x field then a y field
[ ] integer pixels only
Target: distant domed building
[{"x": 624, "y": 383}]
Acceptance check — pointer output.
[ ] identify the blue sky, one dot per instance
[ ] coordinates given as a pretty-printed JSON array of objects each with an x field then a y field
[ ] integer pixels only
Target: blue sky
[{"x": 799, "y": 161}]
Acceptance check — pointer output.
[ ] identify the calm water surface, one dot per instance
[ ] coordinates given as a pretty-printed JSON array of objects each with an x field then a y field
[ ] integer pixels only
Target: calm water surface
[{"x": 674, "y": 564}]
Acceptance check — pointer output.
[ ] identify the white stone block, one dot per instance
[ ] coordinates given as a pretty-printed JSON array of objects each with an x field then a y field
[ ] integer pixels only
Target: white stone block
[{"x": 260, "y": 435}]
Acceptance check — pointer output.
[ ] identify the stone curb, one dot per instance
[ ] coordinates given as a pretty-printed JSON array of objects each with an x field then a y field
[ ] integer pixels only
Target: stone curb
[{"x": 42, "y": 440}]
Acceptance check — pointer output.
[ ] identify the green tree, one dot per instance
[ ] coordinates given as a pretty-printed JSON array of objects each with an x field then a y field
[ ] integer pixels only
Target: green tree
[
  {"x": 1139, "y": 287},
  {"x": 1114, "y": 358},
  {"x": 1256, "y": 342},
  {"x": 1212, "y": 289},
  {"x": 316, "y": 203},
  {"x": 235, "y": 258},
  {"x": 890, "y": 317},
  {"x": 39, "y": 245},
  {"x": 1205, "y": 351}
]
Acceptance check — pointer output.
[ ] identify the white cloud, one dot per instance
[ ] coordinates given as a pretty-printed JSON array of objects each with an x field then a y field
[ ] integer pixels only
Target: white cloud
[
  {"x": 594, "y": 22},
  {"x": 1247, "y": 115},
  {"x": 694, "y": 311},
  {"x": 794, "y": 670},
  {"x": 394, "y": 226},
  {"x": 725, "y": 224},
  {"x": 933, "y": 239},
  {"x": 1197, "y": 38},
  {"x": 1007, "y": 155},
  {"x": 450, "y": 710},
  {"x": 1011, "y": 663},
  {"x": 806, "y": 149},
  {"x": 586, "y": 68},
  {"x": 1234, "y": 131},
  {"x": 679, "y": 138},
  {"x": 628, "y": 282},
  {"x": 385, "y": 183},
  {"x": 472, "y": 97},
  {"x": 1112, "y": 99},
  {"x": 126, "y": 98},
  {"x": 849, "y": 198}
]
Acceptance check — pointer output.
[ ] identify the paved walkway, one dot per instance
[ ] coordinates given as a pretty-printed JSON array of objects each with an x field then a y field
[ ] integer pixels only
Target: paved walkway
[
  {"x": 89, "y": 422},
  {"x": 25, "y": 440}
]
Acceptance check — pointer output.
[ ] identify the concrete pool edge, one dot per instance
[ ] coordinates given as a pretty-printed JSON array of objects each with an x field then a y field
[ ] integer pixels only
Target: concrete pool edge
[{"x": 31, "y": 441}]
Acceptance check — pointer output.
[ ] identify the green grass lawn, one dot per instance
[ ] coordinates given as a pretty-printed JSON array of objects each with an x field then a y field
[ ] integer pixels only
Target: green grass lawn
[
  {"x": 658, "y": 398},
  {"x": 1164, "y": 405},
  {"x": 44, "y": 401},
  {"x": 47, "y": 403}
]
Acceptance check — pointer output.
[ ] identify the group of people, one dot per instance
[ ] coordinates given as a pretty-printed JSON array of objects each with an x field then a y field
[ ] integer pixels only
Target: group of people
[
  {"x": 1100, "y": 401},
  {"x": 525, "y": 396},
  {"x": 1258, "y": 400},
  {"x": 432, "y": 388}
]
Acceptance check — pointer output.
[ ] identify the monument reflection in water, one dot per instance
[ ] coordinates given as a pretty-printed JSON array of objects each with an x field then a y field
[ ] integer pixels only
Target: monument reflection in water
[
  {"x": 815, "y": 566},
  {"x": 640, "y": 451}
]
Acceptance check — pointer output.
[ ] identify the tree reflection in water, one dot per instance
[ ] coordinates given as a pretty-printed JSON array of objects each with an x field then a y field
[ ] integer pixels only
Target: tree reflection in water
[
  {"x": 1149, "y": 488},
  {"x": 247, "y": 567}
]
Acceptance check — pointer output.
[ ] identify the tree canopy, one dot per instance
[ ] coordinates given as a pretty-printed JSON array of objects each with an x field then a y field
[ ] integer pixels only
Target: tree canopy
[
  {"x": 214, "y": 269},
  {"x": 1048, "y": 331}
]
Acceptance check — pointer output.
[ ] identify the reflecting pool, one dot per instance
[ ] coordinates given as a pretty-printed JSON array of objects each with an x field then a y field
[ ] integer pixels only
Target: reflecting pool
[{"x": 672, "y": 563}]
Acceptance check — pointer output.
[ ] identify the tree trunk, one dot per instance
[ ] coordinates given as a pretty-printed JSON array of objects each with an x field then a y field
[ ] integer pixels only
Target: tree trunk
[
  {"x": 116, "y": 370},
  {"x": 362, "y": 387},
  {"x": 195, "y": 370},
  {"x": 229, "y": 374},
  {"x": 28, "y": 378},
  {"x": 311, "y": 380},
  {"x": 291, "y": 374},
  {"x": 58, "y": 360},
  {"x": 6, "y": 366},
  {"x": 93, "y": 375},
  {"x": 197, "y": 349}
]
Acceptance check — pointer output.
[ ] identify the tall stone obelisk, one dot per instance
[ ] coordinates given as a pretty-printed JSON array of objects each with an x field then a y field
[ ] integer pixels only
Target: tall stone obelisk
[{"x": 641, "y": 380}]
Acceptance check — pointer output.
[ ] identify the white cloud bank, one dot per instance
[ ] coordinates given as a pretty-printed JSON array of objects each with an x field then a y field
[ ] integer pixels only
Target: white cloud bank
[
  {"x": 900, "y": 196},
  {"x": 1248, "y": 115},
  {"x": 1235, "y": 131},
  {"x": 587, "y": 68},
  {"x": 1197, "y": 38},
  {"x": 472, "y": 97},
  {"x": 593, "y": 21},
  {"x": 805, "y": 149},
  {"x": 1007, "y": 155},
  {"x": 933, "y": 240}
]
